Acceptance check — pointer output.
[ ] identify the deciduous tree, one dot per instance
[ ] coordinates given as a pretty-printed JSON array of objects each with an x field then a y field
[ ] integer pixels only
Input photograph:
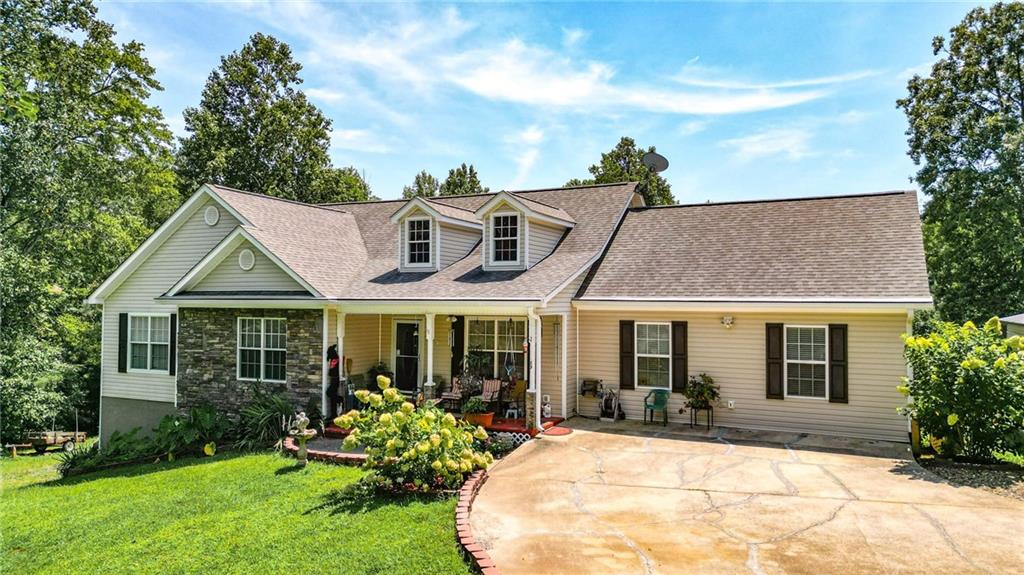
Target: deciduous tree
[
  {"x": 461, "y": 181},
  {"x": 254, "y": 130},
  {"x": 423, "y": 185},
  {"x": 624, "y": 163},
  {"x": 966, "y": 133}
]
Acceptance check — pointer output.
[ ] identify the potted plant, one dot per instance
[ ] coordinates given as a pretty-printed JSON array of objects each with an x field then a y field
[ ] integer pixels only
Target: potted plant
[
  {"x": 474, "y": 410},
  {"x": 701, "y": 392}
]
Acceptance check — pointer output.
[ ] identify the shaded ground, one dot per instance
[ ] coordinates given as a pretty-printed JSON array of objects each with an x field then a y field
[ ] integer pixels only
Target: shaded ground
[
  {"x": 1006, "y": 480},
  {"x": 624, "y": 498}
]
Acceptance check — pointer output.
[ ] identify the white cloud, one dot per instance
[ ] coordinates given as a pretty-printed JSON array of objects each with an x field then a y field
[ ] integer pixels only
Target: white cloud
[
  {"x": 358, "y": 141},
  {"x": 535, "y": 76},
  {"x": 572, "y": 36},
  {"x": 790, "y": 143},
  {"x": 530, "y": 136},
  {"x": 696, "y": 75},
  {"x": 524, "y": 165},
  {"x": 692, "y": 127},
  {"x": 325, "y": 95}
]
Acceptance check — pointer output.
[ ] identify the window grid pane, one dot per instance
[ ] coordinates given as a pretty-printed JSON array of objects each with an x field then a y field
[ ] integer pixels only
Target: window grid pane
[
  {"x": 506, "y": 238},
  {"x": 805, "y": 362},
  {"x": 158, "y": 356},
  {"x": 652, "y": 372},
  {"x": 274, "y": 368},
  {"x": 139, "y": 331},
  {"x": 139, "y": 356},
  {"x": 419, "y": 241},
  {"x": 159, "y": 329},
  {"x": 249, "y": 364}
]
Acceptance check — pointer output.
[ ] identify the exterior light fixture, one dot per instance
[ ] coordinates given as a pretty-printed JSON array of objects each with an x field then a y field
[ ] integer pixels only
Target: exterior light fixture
[{"x": 727, "y": 321}]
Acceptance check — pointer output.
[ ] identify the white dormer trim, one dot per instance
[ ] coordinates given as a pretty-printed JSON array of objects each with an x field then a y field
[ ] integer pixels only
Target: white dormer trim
[
  {"x": 154, "y": 241},
  {"x": 516, "y": 203},
  {"x": 520, "y": 246},
  {"x": 225, "y": 248},
  {"x": 425, "y": 206},
  {"x": 433, "y": 244}
]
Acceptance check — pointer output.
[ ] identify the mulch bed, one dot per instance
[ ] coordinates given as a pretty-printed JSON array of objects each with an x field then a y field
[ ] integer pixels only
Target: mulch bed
[{"x": 1002, "y": 479}]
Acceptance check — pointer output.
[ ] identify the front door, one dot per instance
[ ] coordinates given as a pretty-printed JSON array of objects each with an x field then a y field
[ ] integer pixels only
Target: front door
[{"x": 407, "y": 356}]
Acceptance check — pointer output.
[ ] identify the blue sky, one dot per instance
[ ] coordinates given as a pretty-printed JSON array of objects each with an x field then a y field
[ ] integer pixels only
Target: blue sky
[{"x": 746, "y": 100}]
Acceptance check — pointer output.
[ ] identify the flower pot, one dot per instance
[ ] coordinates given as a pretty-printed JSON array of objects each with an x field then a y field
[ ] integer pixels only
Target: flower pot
[{"x": 484, "y": 419}]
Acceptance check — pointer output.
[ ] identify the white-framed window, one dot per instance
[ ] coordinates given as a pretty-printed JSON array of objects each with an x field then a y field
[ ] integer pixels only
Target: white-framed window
[
  {"x": 149, "y": 342},
  {"x": 262, "y": 347},
  {"x": 505, "y": 238},
  {"x": 417, "y": 242},
  {"x": 499, "y": 344},
  {"x": 653, "y": 355},
  {"x": 806, "y": 365}
]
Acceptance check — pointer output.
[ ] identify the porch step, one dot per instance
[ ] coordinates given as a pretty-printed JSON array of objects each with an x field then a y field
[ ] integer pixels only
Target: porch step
[
  {"x": 332, "y": 431},
  {"x": 503, "y": 425}
]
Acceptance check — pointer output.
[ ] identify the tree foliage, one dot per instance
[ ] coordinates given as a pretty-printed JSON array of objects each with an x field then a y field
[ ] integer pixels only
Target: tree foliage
[
  {"x": 968, "y": 388},
  {"x": 966, "y": 132},
  {"x": 84, "y": 178},
  {"x": 255, "y": 131},
  {"x": 624, "y": 163},
  {"x": 423, "y": 185},
  {"x": 462, "y": 181}
]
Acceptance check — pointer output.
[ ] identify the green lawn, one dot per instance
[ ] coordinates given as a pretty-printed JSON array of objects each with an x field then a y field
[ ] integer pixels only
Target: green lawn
[{"x": 227, "y": 514}]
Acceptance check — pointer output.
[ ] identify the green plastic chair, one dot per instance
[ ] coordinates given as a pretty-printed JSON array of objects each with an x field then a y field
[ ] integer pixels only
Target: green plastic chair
[{"x": 660, "y": 403}]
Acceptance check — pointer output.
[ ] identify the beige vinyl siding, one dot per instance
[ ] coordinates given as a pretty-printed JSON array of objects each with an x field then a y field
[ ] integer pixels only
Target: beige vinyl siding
[
  {"x": 165, "y": 266},
  {"x": 456, "y": 243},
  {"x": 562, "y": 304},
  {"x": 1013, "y": 329},
  {"x": 265, "y": 275},
  {"x": 365, "y": 349},
  {"x": 736, "y": 359},
  {"x": 543, "y": 239},
  {"x": 551, "y": 358},
  {"x": 488, "y": 234}
]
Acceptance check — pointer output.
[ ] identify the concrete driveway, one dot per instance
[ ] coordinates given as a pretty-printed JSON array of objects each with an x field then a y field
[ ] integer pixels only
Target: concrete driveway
[{"x": 626, "y": 498}]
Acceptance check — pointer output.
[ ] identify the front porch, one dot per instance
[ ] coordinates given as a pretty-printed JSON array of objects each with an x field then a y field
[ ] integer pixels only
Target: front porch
[{"x": 424, "y": 353}]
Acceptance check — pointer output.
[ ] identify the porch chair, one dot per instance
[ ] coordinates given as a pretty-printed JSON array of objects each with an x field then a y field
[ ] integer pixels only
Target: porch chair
[
  {"x": 453, "y": 397},
  {"x": 491, "y": 390},
  {"x": 516, "y": 399},
  {"x": 659, "y": 403}
]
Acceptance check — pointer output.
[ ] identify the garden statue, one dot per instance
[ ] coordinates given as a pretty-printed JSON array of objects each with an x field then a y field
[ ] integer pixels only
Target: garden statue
[{"x": 302, "y": 435}]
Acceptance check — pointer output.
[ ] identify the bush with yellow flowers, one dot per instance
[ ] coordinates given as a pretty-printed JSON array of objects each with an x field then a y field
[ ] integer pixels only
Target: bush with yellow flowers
[
  {"x": 408, "y": 447},
  {"x": 967, "y": 389}
]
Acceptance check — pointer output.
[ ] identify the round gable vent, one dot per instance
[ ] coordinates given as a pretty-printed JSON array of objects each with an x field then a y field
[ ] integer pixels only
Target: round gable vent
[
  {"x": 211, "y": 216},
  {"x": 246, "y": 260}
]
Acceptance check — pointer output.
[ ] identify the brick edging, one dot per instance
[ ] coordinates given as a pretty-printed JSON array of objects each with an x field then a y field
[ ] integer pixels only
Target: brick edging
[
  {"x": 326, "y": 456},
  {"x": 474, "y": 551}
]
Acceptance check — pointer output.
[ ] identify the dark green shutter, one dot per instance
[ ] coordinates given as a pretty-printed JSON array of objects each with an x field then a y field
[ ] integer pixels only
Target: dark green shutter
[
  {"x": 122, "y": 342},
  {"x": 172, "y": 349},
  {"x": 838, "y": 362},
  {"x": 773, "y": 361},
  {"x": 679, "y": 368},
  {"x": 626, "y": 359}
]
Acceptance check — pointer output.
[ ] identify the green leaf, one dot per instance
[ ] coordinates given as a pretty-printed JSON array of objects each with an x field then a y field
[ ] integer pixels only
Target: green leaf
[{"x": 952, "y": 418}]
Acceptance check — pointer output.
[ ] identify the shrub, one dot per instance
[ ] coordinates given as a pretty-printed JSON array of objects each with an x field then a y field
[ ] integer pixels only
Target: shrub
[
  {"x": 408, "y": 447},
  {"x": 118, "y": 449},
  {"x": 498, "y": 445},
  {"x": 264, "y": 421},
  {"x": 474, "y": 405},
  {"x": 967, "y": 389},
  {"x": 701, "y": 391},
  {"x": 191, "y": 432}
]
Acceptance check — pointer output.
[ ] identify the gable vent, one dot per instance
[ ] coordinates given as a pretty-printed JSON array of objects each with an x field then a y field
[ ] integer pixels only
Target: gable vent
[{"x": 246, "y": 260}]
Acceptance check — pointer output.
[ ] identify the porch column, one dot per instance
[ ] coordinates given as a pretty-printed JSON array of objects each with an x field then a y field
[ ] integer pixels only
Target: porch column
[
  {"x": 535, "y": 357},
  {"x": 428, "y": 388},
  {"x": 563, "y": 360},
  {"x": 323, "y": 364},
  {"x": 339, "y": 334}
]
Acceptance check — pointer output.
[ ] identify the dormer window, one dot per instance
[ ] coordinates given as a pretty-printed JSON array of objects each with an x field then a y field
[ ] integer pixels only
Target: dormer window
[
  {"x": 417, "y": 242},
  {"x": 505, "y": 245}
]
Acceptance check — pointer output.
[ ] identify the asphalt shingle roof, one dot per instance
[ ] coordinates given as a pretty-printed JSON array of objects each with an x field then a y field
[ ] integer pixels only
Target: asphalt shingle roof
[{"x": 832, "y": 248}]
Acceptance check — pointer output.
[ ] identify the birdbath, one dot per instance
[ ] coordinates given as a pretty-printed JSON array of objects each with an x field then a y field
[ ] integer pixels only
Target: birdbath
[{"x": 302, "y": 435}]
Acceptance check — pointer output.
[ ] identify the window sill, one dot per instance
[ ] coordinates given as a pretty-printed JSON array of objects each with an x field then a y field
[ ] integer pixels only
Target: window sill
[
  {"x": 805, "y": 397},
  {"x": 149, "y": 371}
]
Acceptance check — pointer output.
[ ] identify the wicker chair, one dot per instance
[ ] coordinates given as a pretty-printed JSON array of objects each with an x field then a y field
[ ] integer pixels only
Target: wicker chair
[{"x": 453, "y": 397}]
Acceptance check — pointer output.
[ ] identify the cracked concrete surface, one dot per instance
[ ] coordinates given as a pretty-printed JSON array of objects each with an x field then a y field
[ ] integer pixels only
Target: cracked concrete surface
[{"x": 628, "y": 498}]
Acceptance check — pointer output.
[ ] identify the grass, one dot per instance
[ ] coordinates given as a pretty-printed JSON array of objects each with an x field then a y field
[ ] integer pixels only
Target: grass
[{"x": 253, "y": 513}]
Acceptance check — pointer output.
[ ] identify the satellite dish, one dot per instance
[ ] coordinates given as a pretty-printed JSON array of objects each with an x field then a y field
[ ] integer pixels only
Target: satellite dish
[{"x": 655, "y": 162}]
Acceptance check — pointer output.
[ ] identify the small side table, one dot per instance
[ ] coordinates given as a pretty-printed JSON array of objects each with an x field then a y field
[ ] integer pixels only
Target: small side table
[{"x": 710, "y": 419}]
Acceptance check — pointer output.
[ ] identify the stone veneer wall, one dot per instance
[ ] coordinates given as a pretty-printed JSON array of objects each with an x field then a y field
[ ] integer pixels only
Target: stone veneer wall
[{"x": 208, "y": 354}]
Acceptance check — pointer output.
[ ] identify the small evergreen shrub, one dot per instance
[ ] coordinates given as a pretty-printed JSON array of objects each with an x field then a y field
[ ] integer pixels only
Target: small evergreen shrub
[
  {"x": 264, "y": 421},
  {"x": 411, "y": 448},
  {"x": 967, "y": 390}
]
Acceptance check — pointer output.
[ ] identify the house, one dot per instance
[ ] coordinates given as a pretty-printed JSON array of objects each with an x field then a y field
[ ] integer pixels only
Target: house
[
  {"x": 1014, "y": 325},
  {"x": 795, "y": 307}
]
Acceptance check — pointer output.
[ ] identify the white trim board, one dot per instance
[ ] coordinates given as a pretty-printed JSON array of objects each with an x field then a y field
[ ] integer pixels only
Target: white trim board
[
  {"x": 427, "y": 207},
  {"x": 157, "y": 238},
  {"x": 518, "y": 204}
]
